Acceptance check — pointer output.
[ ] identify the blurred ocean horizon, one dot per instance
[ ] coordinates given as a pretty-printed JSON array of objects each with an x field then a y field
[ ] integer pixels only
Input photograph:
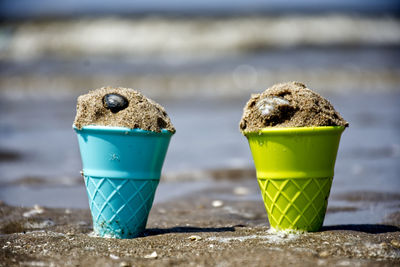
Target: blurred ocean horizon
[
  {"x": 28, "y": 9},
  {"x": 184, "y": 57}
]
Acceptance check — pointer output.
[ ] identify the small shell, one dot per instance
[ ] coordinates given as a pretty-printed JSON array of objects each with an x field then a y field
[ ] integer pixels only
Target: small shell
[
  {"x": 268, "y": 105},
  {"x": 217, "y": 203},
  {"x": 195, "y": 238},
  {"x": 115, "y": 102}
]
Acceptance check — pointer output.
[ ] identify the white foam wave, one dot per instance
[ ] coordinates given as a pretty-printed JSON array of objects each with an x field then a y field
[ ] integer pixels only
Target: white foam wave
[{"x": 199, "y": 37}]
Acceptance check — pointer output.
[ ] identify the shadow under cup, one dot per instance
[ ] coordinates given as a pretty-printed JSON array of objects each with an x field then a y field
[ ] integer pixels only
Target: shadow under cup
[
  {"x": 122, "y": 169},
  {"x": 295, "y": 168}
]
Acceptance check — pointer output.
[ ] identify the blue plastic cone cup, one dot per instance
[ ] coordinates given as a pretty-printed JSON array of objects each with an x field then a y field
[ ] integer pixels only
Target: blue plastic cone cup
[{"x": 122, "y": 169}]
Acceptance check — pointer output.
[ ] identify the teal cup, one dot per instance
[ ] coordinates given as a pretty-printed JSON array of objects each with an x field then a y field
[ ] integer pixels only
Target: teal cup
[{"x": 122, "y": 169}]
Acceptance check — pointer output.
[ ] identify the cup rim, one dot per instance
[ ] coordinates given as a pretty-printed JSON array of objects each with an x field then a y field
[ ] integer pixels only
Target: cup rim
[
  {"x": 119, "y": 129},
  {"x": 296, "y": 130}
]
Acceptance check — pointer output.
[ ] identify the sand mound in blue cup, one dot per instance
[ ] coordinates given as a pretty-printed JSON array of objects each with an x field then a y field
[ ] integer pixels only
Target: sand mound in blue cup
[{"x": 123, "y": 107}]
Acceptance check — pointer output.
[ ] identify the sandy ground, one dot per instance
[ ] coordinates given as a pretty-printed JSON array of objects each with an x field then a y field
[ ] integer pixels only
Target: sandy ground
[
  {"x": 38, "y": 86},
  {"x": 193, "y": 231}
]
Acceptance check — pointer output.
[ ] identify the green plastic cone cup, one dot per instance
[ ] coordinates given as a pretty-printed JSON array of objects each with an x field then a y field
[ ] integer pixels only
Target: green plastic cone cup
[{"x": 295, "y": 168}]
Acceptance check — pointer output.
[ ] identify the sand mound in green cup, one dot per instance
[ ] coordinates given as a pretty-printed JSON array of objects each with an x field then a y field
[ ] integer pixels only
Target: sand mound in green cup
[
  {"x": 289, "y": 104},
  {"x": 121, "y": 162},
  {"x": 295, "y": 165}
]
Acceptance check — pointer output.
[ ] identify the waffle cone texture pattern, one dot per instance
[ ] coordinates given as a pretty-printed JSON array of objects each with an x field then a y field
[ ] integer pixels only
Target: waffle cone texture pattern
[
  {"x": 122, "y": 169},
  {"x": 295, "y": 169}
]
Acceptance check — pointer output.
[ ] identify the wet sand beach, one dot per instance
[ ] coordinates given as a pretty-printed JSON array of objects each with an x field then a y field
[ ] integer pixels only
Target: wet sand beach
[{"x": 197, "y": 230}]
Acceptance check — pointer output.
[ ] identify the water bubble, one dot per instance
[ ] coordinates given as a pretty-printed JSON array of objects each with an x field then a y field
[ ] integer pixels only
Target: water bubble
[{"x": 245, "y": 76}]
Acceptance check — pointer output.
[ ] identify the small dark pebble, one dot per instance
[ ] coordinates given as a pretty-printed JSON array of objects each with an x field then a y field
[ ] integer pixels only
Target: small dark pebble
[
  {"x": 115, "y": 102},
  {"x": 161, "y": 123}
]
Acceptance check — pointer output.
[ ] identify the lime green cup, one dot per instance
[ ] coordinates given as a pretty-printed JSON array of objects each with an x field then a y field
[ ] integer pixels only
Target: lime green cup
[{"x": 295, "y": 169}]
